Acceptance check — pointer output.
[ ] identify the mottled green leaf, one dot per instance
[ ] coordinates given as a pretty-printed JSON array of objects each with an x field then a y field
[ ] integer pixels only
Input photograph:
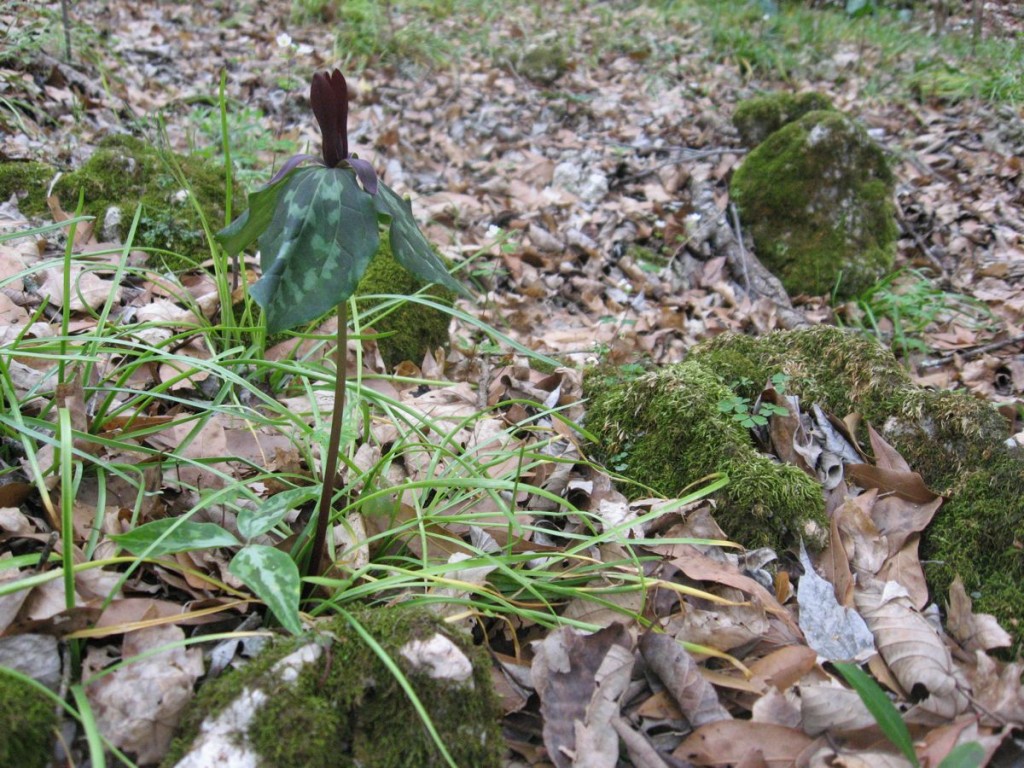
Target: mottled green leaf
[
  {"x": 251, "y": 224},
  {"x": 317, "y": 246},
  {"x": 274, "y": 578},
  {"x": 411, "y": 249},
  {"x": 255, "y": 522},
  {"x": 163, "y": 537}
]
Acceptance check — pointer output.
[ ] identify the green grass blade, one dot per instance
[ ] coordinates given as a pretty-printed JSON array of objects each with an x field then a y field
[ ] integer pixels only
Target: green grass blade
[
  {"x": 878, "y": 704},
  {"x": 92, "y": 732}
]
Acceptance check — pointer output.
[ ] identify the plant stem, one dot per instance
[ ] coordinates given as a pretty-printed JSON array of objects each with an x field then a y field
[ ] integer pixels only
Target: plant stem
[{"x": 330, "y": 466}]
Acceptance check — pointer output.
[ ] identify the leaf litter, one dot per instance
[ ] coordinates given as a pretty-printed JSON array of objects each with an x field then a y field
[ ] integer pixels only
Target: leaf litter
[{"x": 724, "y": 661}]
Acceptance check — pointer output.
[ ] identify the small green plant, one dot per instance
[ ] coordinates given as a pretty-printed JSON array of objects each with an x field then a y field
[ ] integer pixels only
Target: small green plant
[
  {"x": 754, "y": 415},
  {"x": 903, "y": 305},
  {"x": 969, "y": 755},
  {"x": 318, "y": 227}
]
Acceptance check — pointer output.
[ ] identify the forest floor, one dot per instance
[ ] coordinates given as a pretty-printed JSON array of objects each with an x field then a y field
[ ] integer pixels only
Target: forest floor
[{"x": 569, "y": 196}]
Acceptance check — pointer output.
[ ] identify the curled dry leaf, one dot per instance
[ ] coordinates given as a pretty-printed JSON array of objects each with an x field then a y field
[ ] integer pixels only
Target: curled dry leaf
[
  {"x": 974, "y": 631},
  {"x": 913, "y": 650},
  {"x": 677, "y": 670}
]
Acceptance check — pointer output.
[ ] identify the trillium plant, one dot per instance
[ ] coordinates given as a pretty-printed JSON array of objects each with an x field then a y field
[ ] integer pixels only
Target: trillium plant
[{"x": 318, "y": 225}]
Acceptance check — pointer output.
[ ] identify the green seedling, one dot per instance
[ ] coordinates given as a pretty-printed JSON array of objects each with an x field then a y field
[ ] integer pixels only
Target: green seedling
[
  {"x": 318, "y": 225},
  {"x": 756, "y": 415}
]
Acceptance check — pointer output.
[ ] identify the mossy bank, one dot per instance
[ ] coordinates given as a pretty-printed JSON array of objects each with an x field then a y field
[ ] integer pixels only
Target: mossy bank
[
  {"x": 953, "y": 439},
  {"x": 666, "y": 431},
  {"x": 347, "y": 708},
  {"x": 176, "y": 193},
  {"x": 408, "y": 329}
]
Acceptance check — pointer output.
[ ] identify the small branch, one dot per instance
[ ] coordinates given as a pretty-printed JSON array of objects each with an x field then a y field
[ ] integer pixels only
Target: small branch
[
  {"x": 330, "y": 467},
  {"x": 972, "y": 352}
]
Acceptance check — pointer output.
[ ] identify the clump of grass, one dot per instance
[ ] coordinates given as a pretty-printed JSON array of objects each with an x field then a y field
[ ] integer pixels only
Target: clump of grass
[
  {"x": 901, "y": 307},
  {"x": 791, "y": 41}
]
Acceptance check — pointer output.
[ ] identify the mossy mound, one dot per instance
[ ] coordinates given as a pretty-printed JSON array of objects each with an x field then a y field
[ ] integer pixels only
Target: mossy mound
[
  {"x": 123, "y": 173},
  {"x": 953, "y": 439},
  {"x": 27, "y": 182},
  {"x": 544, "y": 62},
  {"x": 758, "y": 118},
  {"x": 27, "y": 725},
  {"x": 666, "y": 429},
  {"x": 347, "y": 708},
  {"x": 817, "y": 196},
  {"x": 410, "y": 330}
]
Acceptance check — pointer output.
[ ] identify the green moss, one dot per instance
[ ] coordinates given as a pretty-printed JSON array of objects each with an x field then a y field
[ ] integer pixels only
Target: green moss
[
  {"x": 544, "y": 63},
  {"x": 979, "y": 534},
  {"x": 665, "y": 429},
  {"x": 846, "y": 372},
  {"x": 349, "y": 710},
  {"x": 28, "y": 182},
  {"x": 415, "y": 329},
  {"x": 126, "y": 171},
  {"x": 756, "y": 119},
  {"x": 27, "y": 723},
  {"x": 953, "y": 439},
  {"x": 817, "y": 196}
]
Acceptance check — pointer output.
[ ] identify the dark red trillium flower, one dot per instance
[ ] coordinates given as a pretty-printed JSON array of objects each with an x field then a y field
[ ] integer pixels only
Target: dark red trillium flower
[{"x": 329, "y": 97}]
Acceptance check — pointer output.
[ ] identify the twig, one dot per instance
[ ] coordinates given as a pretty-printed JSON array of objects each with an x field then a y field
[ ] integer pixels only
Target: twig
[
  {"x": 66, "y": 21},
  {"x": 738, "y": 234},
  {"x": 973, "y": 352}
]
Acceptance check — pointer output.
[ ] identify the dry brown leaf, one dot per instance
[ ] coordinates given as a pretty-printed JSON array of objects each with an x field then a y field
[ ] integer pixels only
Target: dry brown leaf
[
  {"x": 678, "y": 672},
  {"x": 137, "y": 706},
  {"x": 974, "y": 631},
  {"x": 782, "y": 668},
  {"x": 565, "y": 671},
  {"x": 727, "y": 742},
  {"x": 913, "y": 650}
]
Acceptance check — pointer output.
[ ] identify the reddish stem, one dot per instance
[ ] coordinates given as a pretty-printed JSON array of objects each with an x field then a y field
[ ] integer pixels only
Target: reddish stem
[{"x": 330, "y": 466}]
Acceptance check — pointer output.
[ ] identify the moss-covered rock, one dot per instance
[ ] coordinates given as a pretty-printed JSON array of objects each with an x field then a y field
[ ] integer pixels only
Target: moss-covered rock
[
  {"x": 409, "y": 330},
  {"x": 27, "y": 182},
  {"x": 953, "y": 439},
  {"x": 544, "y": 62},
  {"x": 665, "y": 430},
  {"x": 122, "y": 173},
  {"x": 758, "y": 118},
  {"x": 817, "y": 196},
  {"x": 347, "y": 709},
  {"x": 27, "y": 725}
]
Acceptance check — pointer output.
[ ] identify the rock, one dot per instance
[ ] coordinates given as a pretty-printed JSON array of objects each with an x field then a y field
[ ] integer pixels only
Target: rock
[
  {"x": 758, "y": 118},
  {"x": 326, "y": 700},
  {"x": 544, "y": 62},
  {"x": 817, "y": 197}
]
